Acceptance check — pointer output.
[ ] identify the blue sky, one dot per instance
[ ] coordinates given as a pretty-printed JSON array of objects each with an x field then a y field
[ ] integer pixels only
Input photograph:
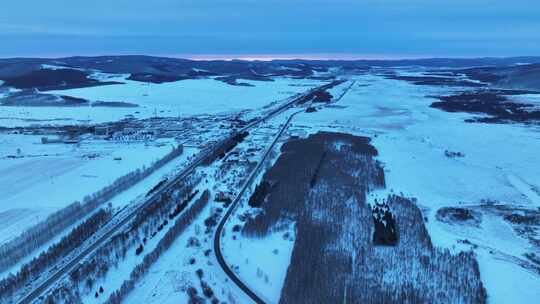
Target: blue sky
[{"x": 285, "y": 28}]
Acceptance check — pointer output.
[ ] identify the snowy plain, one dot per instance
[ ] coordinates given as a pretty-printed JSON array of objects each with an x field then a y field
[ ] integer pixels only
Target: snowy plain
[
  {"x": 500, "y": 164},
  {"x": 178, "y": 99},
  {"x": 48, "y": 177}
]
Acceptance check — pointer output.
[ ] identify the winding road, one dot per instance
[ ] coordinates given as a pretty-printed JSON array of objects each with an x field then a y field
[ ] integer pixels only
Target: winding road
[{"x": 232, "y": 207}]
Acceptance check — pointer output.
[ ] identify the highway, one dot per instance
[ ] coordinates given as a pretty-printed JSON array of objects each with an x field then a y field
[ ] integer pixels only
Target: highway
[
  {"x": 70, "y": 266},
  {"x": 64, "y": 270},
  {"x": 345, "y": 91}
]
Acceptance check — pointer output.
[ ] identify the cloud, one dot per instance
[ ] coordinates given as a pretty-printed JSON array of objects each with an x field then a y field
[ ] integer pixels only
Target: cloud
[{"x": 252, "y": 26}]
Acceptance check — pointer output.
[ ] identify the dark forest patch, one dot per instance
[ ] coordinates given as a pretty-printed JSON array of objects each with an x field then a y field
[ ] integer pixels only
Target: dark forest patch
[
  {"x": 321, "y": 95},
  {"x": 523, "y": 76},
  {"x": 260, "y": 193},
  {"x": 29, "y": 98},
  {"x": 232, "y": 80},
  {"x": 453, "y": 215},
  {"x": 60, "y": 79},
  {"x": 494, "y": 103},
  {"x": 157, "y": 78},
  {"x": 298, "y": 165},
  {"x": 226, "y": 147},
  {"x": 436, "y": 80},
  {"x": 335, "y": 258},
  {"x": 235, "y": 79},
  {"x": 114, "y": 104},
  {"x": 441, "y": 73},
  {"x": 385, "y": 229}
]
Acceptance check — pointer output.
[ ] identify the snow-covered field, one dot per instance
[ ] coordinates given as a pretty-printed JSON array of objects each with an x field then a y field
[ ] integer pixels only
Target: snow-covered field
[
  {"x": 48, "y": 177},
  {"x": 500, "y": 164},
  {"x": 260, "y": 262},
  {"x": 180, "y": 98}
]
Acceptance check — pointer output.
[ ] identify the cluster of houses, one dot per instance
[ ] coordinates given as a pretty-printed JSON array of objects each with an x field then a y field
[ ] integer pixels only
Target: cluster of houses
[
  {"x": 133, "y": 130},
  {"x": 132, "y": 134}
]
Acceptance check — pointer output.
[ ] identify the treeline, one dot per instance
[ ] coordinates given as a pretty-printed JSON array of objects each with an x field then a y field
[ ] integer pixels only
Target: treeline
[
  {"x": 180, "y": 207},
  {"x": 109, "y": 256},
  {"x": 54, "y": 254},
  {"x": 259, "y": 194},
  {"x": 385, "y": 230},
  {"x": 36, "y": 236},
  {"x": 165, "y": 243},
  {"x": 320, "y": 95},
  {"x": 148, "y": 223},
  {"x": 226, "y": 147}
]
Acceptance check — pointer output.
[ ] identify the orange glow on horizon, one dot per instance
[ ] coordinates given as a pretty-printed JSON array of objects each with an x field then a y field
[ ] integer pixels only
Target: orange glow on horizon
[{"x": 269, "y": 57}]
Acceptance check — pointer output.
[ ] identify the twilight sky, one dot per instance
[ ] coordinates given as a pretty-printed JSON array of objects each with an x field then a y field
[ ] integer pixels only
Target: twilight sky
[{"x": 271, "y": 28}]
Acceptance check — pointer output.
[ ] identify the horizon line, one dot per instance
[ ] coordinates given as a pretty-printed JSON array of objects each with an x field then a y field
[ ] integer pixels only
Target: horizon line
[{"x": 269, "y": 57}]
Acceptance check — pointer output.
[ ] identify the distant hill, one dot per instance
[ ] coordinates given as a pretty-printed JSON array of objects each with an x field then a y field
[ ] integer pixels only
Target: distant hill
[
  {"x": 24, "y": 72},
  {"x": 524, "y": 77},
  {"x": 152, "y": 69},
  {"x": 426, "y": 62}
]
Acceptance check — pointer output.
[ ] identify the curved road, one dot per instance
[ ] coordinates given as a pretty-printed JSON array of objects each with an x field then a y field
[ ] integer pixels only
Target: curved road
[{"x": 234, "y": 204}]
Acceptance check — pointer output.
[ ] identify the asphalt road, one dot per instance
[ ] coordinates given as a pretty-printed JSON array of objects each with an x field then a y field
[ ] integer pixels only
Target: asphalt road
[
  {"x": 65, "y": 269},
  {"x": 234, "y": 204}
]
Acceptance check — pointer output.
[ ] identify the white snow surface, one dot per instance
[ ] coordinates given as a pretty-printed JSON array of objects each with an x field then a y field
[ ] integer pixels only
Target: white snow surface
[
  {"x": 261, "y": 263},
  {"x": 50, "y": 177},
  {"x": 180, "y": 98},
  {"x": 500, "y": 163}
]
